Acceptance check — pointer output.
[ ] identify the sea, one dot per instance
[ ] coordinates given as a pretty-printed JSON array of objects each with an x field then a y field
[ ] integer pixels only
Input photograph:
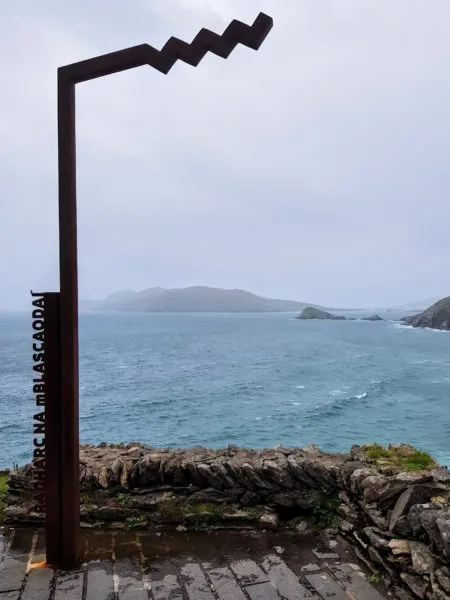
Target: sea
[{"x": 254, "y": 380}]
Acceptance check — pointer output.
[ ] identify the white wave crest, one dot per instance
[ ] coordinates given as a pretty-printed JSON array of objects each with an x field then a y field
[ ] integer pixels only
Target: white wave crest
[{"x": 401, "y": 326}]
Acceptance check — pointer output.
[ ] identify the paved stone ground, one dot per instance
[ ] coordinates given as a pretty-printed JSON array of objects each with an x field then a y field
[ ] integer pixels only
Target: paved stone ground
[{"x": 221, "y": 565}]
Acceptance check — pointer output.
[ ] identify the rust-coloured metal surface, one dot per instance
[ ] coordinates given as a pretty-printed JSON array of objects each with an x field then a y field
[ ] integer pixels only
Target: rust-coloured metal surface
[
  {"x": 68, "y": 269},
  {"x": 53, "y": 480},
  {"x": 162, "y": 60}
]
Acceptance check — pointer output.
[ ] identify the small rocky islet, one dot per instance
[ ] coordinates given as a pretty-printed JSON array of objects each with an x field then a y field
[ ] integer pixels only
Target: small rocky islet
[
  {"x": 311, "y": 313},
  {"x": 374, "y": 317}
]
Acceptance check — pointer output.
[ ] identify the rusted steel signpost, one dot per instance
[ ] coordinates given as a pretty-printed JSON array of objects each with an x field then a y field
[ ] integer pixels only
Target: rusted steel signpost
[
  {"x": 58, "y": 393},
  {"x": 47, "y": 459}
]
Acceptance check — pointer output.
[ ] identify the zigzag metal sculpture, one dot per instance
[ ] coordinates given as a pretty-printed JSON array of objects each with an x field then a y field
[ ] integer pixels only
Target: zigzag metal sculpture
[{"x": 163, "y": 60}]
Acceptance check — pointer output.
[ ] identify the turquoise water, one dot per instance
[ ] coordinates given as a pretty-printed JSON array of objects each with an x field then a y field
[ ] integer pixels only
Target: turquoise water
[{"x": 253, "y": 380}]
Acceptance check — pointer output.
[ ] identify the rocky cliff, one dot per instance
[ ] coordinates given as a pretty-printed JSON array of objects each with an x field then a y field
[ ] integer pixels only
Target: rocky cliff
[{"x": 436, "y": 316}]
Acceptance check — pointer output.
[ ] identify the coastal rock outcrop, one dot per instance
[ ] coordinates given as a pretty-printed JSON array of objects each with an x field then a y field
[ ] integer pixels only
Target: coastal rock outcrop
[
  {"x": 436, "y": 316},
  {"x": 373, "y": 318},
  {"x": 314, "y": 313},
  {"x": 392, "y": 504}
]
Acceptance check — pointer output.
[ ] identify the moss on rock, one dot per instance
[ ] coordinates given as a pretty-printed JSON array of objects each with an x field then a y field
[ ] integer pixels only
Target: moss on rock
[
  {"x": 4, "y": 476},
  {"x": 401, "y": 456}
]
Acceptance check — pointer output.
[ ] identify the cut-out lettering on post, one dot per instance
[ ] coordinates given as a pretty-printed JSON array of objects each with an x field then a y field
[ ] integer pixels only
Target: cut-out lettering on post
[{"x": 38, "y": 326}]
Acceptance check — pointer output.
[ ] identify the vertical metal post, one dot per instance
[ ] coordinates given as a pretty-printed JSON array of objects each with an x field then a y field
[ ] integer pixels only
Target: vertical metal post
[
  {"x": 68, "y": 321},
  {"x": 53, "y": 483}
]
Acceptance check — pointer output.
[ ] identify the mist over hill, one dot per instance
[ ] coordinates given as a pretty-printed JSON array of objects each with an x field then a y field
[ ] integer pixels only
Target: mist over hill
[
  {"x": 419, "y": 305},
  {"x": 196, "y": 299}
]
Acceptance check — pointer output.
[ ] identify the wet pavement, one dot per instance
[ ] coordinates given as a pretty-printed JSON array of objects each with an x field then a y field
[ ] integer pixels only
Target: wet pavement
[{"x": 219, "y": 565}]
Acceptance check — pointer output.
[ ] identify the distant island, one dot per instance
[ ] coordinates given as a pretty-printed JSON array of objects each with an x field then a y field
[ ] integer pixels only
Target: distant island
[
  {"x": 196, "y": 299},
  {"x": 312, "y": 312},
  {"x": 436, "y": 316}
]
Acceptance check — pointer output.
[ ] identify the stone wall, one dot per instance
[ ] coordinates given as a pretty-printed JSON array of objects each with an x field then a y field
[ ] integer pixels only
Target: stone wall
[{"x": 398, "y": 521}]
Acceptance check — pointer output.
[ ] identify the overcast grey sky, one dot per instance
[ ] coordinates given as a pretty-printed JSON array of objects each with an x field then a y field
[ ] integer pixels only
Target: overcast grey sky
[{"x": 315, "y": 169}]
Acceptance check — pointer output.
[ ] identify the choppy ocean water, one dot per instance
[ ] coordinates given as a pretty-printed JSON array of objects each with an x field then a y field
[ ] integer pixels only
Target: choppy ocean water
[{"x": 252, "y": 380}]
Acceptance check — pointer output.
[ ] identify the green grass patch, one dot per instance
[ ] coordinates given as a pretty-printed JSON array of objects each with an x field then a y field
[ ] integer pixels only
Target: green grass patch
[
  {"x": 123, "y": 499},
  {"x": 254, "y": 512},
  {"x": 203, "y": 510},
  {"x": 135, "y": 523},
  {"x": 201, "y": 507},
  {"x": 3, "y": 491},
  {"x": 404, "y": 457},
  {"x": 325, "y": 510},
  {"x": 197, "y": 527},
  {"x": 99, "y": 524},
  {"x": 169, "y": 508},
  {"x": 88, "y": 505}
]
